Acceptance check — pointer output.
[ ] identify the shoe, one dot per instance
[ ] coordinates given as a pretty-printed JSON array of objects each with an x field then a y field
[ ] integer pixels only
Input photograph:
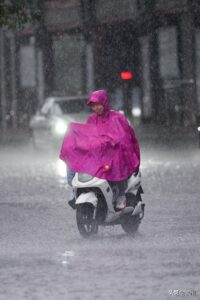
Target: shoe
[
  {"x": 72, "y": 203},
  {"x": 121, "y": 203}
]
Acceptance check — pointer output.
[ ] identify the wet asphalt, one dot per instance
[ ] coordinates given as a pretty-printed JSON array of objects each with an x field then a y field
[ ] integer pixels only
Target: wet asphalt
[{"x": 42, "y": 255}]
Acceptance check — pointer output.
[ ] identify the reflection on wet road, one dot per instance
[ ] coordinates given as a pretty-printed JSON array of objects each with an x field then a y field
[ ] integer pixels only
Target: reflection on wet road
[{"x": 42, "y": 255}]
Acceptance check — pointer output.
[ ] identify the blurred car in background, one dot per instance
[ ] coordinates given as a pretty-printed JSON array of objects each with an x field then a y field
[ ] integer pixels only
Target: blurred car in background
[{"x": 50, "y": 123}]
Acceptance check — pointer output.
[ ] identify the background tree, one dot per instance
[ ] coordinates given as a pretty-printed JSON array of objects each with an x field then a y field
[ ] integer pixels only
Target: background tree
[{"x": 16, "y": 13}]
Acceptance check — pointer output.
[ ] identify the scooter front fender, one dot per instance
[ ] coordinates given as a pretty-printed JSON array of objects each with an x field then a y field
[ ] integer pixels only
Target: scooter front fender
[{"x": 89, "y": 197}]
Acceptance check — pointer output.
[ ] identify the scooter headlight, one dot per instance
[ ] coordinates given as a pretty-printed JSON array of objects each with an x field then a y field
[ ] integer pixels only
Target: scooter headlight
[
  {"x": 83, "y": 177},
  {"x": 60, "y": 127},
  {"x": 136, "y": 112}
]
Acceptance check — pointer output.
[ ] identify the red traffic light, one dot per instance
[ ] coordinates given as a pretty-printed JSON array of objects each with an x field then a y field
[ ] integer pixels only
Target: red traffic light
[{"x": 126, "y": 75}]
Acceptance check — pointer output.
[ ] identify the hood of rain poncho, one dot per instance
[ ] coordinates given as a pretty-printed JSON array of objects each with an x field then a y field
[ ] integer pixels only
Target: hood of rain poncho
[
  {"x": 104, "y": 147},
  {"x": 101, "y": 97}
]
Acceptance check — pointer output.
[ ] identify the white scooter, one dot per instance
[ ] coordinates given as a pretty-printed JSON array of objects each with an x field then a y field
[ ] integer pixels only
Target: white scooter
[{"x": 95, "y": 201}]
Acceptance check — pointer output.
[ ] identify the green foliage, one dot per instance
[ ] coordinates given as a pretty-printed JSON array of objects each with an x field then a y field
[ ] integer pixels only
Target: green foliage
[{"x": 16, "y": 13}]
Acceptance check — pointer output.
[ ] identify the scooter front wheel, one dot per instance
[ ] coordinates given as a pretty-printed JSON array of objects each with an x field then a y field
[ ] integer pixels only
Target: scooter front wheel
[{"x": 86, "y": 223}]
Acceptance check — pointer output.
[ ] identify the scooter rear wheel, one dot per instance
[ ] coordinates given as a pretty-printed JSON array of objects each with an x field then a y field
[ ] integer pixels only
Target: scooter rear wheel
[{"x": 86, "y": 223}]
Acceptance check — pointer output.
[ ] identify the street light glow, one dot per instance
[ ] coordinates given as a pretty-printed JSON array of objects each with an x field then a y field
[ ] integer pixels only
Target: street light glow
[{"x": 136, "y": 112}]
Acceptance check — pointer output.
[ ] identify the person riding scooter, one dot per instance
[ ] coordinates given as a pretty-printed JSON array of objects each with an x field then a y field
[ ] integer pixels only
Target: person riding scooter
[{"x": 105, "y": 147}]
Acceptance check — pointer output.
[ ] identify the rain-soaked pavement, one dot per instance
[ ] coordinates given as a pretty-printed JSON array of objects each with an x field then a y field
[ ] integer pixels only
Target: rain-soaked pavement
[{"x": 42, "y": 255}]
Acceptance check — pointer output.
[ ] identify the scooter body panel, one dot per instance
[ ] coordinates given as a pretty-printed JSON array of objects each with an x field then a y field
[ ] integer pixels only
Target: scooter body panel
[
  {"x": 134, "y": 182},
  {"x": 89, "y": 196},
  {"x": 101, "y": 184}
]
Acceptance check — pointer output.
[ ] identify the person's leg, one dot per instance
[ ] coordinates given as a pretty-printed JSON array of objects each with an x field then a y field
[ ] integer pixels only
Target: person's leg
[
  {"x": 70, "y": 193},
  {"x": 122, "y": 186},
  {"x": 70, "y": 176},
  {"x": 121, "y": 199}
]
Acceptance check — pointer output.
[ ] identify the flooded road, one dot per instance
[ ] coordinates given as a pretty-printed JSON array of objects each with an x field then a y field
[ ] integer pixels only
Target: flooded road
[{"x": 42, "y": 255}]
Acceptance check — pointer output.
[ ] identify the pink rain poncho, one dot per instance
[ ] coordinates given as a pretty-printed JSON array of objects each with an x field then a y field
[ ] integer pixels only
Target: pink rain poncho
[{"x": 104, "y": 147}]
